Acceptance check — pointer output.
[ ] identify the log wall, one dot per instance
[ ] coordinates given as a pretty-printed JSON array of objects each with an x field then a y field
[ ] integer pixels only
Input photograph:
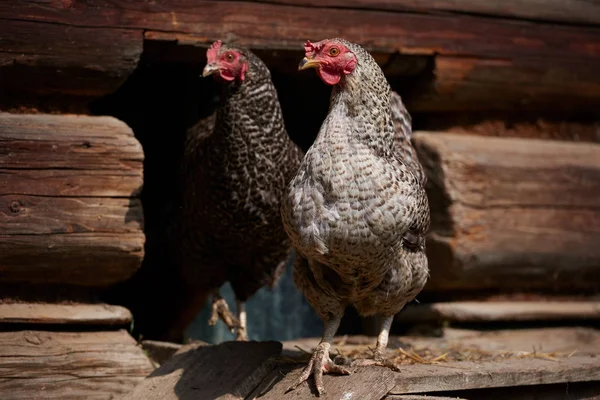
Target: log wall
[
  {"x": 512, "y": 213},
  {"x": 69, "y": 206},
  {"x": 521, "y": 54}
]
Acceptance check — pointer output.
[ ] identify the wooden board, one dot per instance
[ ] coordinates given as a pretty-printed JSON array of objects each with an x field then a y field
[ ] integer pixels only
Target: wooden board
[
  {"x": 471, "y": 311},
  {"x": 69, "y": 199},
  {"x": 490, "y": 84},
  {"x": 230, "y": 370},
  {"x": 548, "y": 65},
  {"x": 69, "y": 365},
  {"x": 63, "y": 314},
  {"x": 511, "y": 213},
  {"x": 456, "y": 376},
  {"x": 70, "y": 60},
  {"x": 572, "y": 11}
]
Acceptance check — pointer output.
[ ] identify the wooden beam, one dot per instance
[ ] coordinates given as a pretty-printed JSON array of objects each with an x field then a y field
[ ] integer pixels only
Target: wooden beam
[
  {"x": 70, "y": 59},
  {"x": 512, "y": 213},
  {"x": 571, "y": 11},
  {"x": 480, "y": 84},
  {"x": 63, "y": 314},
  {"x": 229, "y": 371},
  {"x": 69, "y": 365},
  {"x": 471, "y": 311},
  {"x": 69, "y": 206},
  {"x": 464, "y": 375}
]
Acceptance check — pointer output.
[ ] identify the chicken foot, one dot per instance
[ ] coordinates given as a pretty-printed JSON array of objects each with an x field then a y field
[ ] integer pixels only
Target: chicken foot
[
  {"x": 220, "y": 310},
  {"x": 320, "y": 363}
]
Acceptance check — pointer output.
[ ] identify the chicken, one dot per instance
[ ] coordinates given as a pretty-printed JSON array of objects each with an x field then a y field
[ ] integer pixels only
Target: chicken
[
  {"x": 356, "y": 211},
  {"x": 229, "y": 226}
]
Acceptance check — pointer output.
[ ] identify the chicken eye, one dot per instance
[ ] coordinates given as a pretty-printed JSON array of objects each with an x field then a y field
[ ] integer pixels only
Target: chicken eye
[
  {"x": 334, "y": 51},
  {"x": 229, "y": 57}
]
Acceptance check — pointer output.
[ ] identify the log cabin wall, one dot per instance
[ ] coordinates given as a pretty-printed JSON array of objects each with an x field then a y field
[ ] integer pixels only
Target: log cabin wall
[{"x": 521, "y": 70}]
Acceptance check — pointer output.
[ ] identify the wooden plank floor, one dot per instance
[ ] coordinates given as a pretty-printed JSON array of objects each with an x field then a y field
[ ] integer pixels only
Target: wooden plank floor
[{"x": 461, "y": 361}]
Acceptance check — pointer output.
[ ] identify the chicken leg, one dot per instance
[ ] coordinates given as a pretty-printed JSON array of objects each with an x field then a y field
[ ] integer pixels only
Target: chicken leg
[
  {"x": 242, "y": 332},
  {"x": 220, "y": 309},
  {"x": 380, "y": 349},
  {"x": 320, "y": 363}
]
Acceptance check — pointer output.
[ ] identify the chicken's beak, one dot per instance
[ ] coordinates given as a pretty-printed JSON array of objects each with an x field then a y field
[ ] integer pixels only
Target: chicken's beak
[
  {"x": 308, "y": 63},
  {"x": 210, "y": 69}
]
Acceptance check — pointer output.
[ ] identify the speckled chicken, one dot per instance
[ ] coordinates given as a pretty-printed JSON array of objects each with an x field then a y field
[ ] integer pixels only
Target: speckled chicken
[
  {"x": 233, "y": 178},
  {"x": 356, "y": 211}
]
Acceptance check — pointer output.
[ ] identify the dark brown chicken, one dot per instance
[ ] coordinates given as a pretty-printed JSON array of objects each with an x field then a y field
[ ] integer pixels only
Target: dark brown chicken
[
  {"x": 233, "y": 178},
  {"x": 356, "y": 211}
]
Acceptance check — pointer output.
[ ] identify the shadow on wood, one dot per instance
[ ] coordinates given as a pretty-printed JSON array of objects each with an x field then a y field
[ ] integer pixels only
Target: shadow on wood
[{"x": 229, "y": 371}]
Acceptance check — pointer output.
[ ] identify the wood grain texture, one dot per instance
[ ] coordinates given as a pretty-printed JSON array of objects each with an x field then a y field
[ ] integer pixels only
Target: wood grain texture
[
  {"x": 470, "y": 311},
  {"x": 69, "y": 365},
  {"x": 571, "y": 11},
  {"x": 464, "y": 375},
  {"x": 543, "y": 61},
  {"x": 69, "y": 199},
  {"x": 512, "y": 213},
  {"x": 484, "y": 84},
  {"x": 63, "y": 314},
  {"x": 69, "y": 60},
  {"x": 230, "y": 370}
]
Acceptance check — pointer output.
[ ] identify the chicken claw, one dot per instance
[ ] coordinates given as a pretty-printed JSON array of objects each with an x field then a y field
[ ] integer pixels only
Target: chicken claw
[
  {"x": 320, "y": 363},
  {"x": 220, "y": 309}
]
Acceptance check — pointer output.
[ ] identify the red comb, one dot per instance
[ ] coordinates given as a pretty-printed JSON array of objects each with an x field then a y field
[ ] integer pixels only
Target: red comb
[
  {"x": 213, "y": 51},
  {"x": 311, "y": 48}
]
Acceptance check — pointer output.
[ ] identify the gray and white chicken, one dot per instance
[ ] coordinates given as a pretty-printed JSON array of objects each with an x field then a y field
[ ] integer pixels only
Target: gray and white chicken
[
  {"x": 236, "y": 167},
  {"x": 356, "y": 211}
]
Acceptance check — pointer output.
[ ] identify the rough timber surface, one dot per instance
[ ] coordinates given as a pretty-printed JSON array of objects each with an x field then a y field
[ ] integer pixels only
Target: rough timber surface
[
  {"x": 69, "y": 199},
  {"x": 69, "y": 365},
  {"x": 456, "y": 375},
  {"x": 511, "y": 213},
  {"x": 63, "y": 314},
  {"x": 549, "y": 61},
  {"x": 227, "y": 371},
  {"x": 473, "y": 311},
  {"x": 255, "y": 370}
]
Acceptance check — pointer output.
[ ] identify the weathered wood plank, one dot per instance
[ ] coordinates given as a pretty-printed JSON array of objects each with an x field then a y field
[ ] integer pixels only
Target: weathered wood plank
[
  {"x": 572, "y": 11},
  {"x": 473, "y": 83},
  {"x": 68, "y": 314},
  {"x": 70, "y": 60},
  {"x": 471, "y": 311},
  {"x": 89, "y": 259},
  {"x": 158, "y": 351},
  {"x": 464, "y": 375},
  {"x": 563, "y": 340},
  {"x": 56, "y": 215},
  {"x": 266, "y": 25},
  {"x": 69, "y": 199},
  {"x": 512, "y": 213},
  {"x": 69, "y": 365},
  {"x": 230, "y": 370}
]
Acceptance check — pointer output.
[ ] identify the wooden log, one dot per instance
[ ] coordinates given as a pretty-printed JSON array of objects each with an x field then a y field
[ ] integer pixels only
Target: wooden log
[
  {"x": 70, "y": 60},
  {"x": 479, "y": 84},
  {"x": 229, "y": 371},
  {"x": 547, "y": 60},
  {"x": 512, "y": 213},
  {"x": 69, "y": 206},
  {"x": 69, "y": 365},
  {"x": 63, "y": 314},
  {"x": 471, "y": 311},
  {"x": 572, "y": 11}
]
